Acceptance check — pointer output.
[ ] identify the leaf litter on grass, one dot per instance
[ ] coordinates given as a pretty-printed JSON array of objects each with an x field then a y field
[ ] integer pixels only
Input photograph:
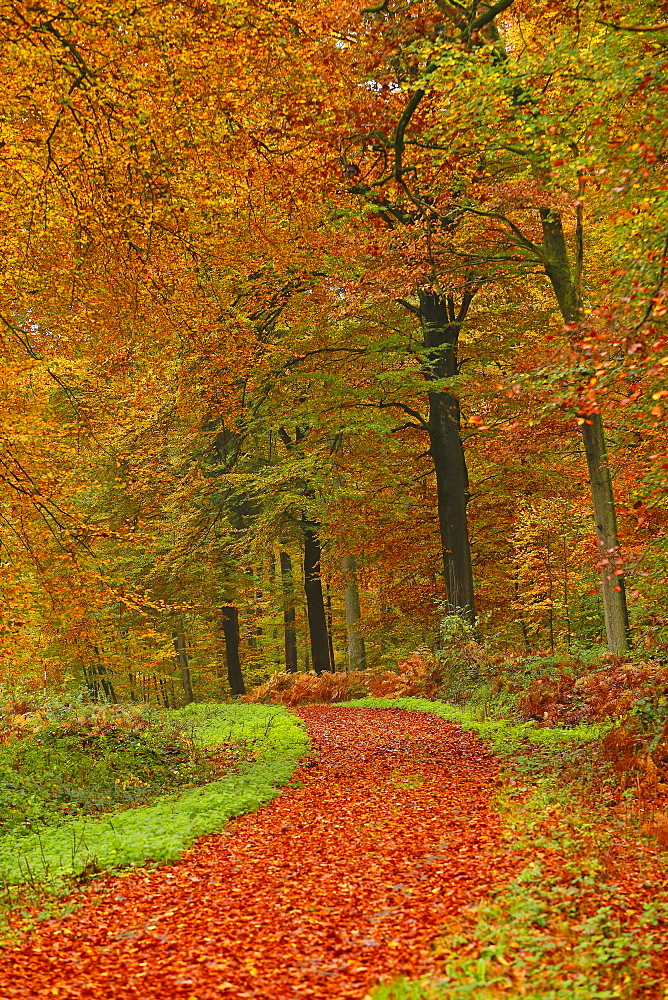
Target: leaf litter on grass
[{"x": 334, "y": 886}]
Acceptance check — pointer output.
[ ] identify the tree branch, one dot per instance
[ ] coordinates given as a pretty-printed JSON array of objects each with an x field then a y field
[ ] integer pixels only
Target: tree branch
[
  {"x": 658, "y": 286},
  {"x": 405, "y": 426},
  {"x": 521, "y": 238},
  {"x": 380, "y": 405},
  {"x": 635, "y": 27},
  {"x": 490, "y": 14},
  {"x": 402, "y": 125},
  {"x": 381, "y": 8},
  {"x": 285, "y": 438},
  {"x": 407, "y": 305}
]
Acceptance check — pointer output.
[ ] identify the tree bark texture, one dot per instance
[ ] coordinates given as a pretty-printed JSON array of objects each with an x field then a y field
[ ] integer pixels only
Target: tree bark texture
[
  {"x": 315, "y": 605},
  {"x": 105, "y": 676},
  {"x": 330, "y": 630},
  {"x": 441, "y": 324},
  {"x": 615, "y": 611},
  {"x": 567, "y": 293},
  {"x": 230, "y": 621},
  {"x": 356, "y": 649},
  {"x": 179, "y": 641},
  {"x": 289, "y": 614},
  {"x": 276, "y": 654}
]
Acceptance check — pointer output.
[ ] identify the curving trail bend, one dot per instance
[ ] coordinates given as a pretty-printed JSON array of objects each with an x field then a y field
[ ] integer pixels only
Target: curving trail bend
[{"x": 332, "y": 887}]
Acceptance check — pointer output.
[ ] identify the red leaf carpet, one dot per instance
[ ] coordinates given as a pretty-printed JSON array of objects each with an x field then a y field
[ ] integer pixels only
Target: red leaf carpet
[{"x": 324, "y": 892}]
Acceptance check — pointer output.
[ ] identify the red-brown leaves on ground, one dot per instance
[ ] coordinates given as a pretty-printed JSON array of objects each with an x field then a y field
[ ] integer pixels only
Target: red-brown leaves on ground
[
  {"x": 633, "y": 757},
  {"x": 334, "y": 886}
]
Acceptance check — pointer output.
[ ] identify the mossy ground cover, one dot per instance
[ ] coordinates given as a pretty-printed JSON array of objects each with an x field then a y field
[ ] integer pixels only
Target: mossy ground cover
[
  {"x": 61, "y": 761},
  {"x": 168, "y": 765},
  {"x": 587, "y": 917}
]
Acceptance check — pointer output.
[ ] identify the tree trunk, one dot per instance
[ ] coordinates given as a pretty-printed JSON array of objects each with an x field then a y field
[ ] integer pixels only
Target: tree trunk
[
  {"x": 523, "y": 624},
  {"x": 615, "y": 611},
  {"x": 567, "y": 293},
  {"x": 179, "y": 641},
  {"x": 105, "y": 678},
  {"x": 255, "y": 631},
  {"x": 230, "y": 616},
  {"x": 275, "y": 651},
  {"x": 452, "y": 495},
  {"x": 289, "y": 614},
  {"x": 164, "y": 691},
  {"x": 330, "y": 629},
  {"x": 315, "y": 605},
  {"x": 356, "y": 649},
  {"x": 91, "y": 681},
  {"x": 441, "y": 325}
]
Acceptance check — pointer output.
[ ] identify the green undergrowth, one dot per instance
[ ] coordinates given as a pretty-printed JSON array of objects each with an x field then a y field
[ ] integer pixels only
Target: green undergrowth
[
  {"x": 558, "y": 931},
  {"x": 270, "y": 741},
  {"x": 62, "y": 760},
  {"x": 561, "y": 930}
]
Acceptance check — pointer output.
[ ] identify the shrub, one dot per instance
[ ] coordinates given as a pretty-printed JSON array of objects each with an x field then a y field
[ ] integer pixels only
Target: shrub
[
  {"x": 613, "y": 691},
  {"x": 308, "y": 689},
  {"x": 420, "y": 675}
]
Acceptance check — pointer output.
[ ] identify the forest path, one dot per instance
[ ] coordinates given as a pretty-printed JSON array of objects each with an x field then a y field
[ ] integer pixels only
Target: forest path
[{"x": 323, "y": 892}]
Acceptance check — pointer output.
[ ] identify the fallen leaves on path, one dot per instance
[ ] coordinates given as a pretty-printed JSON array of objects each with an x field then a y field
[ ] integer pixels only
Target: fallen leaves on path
[{"x": 332, "y": 887}]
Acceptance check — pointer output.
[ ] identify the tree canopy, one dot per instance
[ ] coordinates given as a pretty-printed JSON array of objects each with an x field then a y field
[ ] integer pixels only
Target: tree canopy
[{"x": 320, "y": 322}]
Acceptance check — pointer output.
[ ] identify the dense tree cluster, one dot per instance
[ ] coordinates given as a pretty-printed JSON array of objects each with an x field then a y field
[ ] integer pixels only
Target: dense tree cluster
[{"x": 322, "y": 321}]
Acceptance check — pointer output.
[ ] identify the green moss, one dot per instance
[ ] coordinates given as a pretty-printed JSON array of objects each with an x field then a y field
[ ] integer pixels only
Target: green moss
[{"x": 160, "y": 832}]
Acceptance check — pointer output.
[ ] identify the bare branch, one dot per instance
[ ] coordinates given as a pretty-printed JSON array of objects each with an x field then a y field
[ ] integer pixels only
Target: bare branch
[{"x": 522, "y": 240}]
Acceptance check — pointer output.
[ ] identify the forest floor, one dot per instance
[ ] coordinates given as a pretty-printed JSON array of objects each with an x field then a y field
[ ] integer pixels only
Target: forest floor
[{"x": 344, "y": 880}]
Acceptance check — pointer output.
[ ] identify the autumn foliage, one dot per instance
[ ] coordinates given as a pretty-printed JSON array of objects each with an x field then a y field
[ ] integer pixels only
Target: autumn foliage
[
  {"x": 419, "y": 675},
  {"x": 252, "y": 256},
  {"x": 348, "y": 813},
  {"x": 334, "y": 361}
]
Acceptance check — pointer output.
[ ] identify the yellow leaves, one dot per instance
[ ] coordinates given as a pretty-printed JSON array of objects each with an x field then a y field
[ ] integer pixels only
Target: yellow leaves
[{"x": 20, "y": 721}]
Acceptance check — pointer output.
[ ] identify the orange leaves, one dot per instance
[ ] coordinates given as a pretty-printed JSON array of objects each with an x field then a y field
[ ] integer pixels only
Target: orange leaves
[
  {"x": 340, "y": 882},
  {"x": 419, "y": 675}
]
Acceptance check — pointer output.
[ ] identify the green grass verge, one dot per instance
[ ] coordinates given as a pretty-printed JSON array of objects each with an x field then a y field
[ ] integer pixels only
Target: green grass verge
[
  {"x": 51, "y": 857},
  {"x": 559, "y": 931}
]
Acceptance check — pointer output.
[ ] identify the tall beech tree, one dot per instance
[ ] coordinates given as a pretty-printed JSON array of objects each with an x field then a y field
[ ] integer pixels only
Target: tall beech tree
[
  {"x": 566, "y": 282},
  {"x": 290, "y": 638},
  {"x": 441, "y": 322},
  {"x": 181, "y": 654},
  {"x": 472, "y": 154},
  {"x": 356, "y": 647},
  {"x": 230, "y": 625},
  {"x": 315, "y": 599},
  {"x": 563, "y": 268},
  {"x": 315, "y": 602}
]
